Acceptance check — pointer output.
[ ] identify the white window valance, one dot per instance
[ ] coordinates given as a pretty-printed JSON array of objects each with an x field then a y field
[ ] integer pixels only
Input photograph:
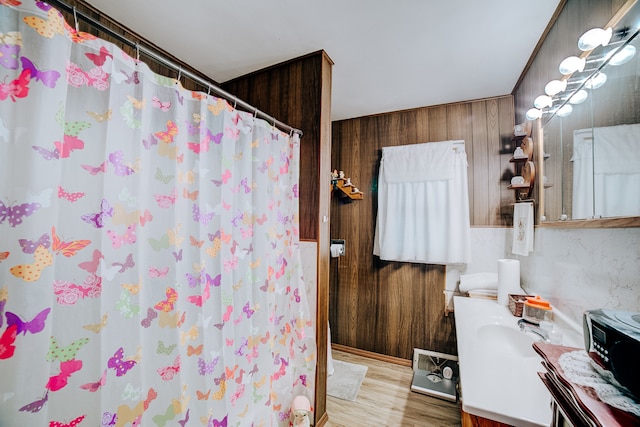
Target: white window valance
[{"x": 423, "y": 204}]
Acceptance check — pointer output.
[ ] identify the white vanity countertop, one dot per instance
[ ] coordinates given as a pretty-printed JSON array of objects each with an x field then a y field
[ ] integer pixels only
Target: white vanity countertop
[{"x": 498, "y": 365}]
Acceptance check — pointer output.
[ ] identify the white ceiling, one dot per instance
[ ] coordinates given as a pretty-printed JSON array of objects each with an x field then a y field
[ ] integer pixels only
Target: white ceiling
[{"x": 388, "y": 55}]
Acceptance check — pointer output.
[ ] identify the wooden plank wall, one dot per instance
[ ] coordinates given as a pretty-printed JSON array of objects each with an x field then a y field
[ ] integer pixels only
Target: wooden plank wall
[{"x": 390, "y": 307}]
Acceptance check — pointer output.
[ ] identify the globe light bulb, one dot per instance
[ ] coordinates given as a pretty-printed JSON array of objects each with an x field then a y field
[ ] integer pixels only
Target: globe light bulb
[
  {"x": 596, "y": 81},
  {"x": 554, "y": 87},
  {"x": 572, "y": 64},
  {"x": 565, "y": 110},
  {"x": 579, "y": 97},
  {"x": 533, "y": 114},
  {"x": 542, "y": 101},
  {"x": 594, "y": 38}
]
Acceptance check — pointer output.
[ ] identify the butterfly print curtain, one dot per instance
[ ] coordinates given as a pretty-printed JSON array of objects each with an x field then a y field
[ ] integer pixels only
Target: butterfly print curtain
[{"x": 149, "y": 250}]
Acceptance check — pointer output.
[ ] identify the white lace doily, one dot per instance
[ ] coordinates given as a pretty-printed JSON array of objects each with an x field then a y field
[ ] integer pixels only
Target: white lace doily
[{"x": 578, "y": 368}]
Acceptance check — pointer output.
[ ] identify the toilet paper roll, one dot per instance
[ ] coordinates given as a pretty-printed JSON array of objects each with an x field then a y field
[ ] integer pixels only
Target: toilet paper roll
[
  {"x": 336, "y": 250},
  {"x": 508, "y": 279}
]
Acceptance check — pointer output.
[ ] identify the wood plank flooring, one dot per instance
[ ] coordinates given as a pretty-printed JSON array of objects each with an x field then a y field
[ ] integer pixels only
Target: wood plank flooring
[{"x": 386, "y": 400}]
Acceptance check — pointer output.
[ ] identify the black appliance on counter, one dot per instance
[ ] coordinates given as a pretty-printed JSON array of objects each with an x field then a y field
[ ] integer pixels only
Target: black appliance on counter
[{"x": 612, "y": 340}]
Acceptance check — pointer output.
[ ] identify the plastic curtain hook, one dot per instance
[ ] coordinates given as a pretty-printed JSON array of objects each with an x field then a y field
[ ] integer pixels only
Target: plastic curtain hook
[{"x": 75, "y": 18}]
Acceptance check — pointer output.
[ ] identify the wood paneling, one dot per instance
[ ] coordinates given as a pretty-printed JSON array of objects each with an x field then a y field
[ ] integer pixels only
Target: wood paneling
[
  {"x": 322, "y": 307},
  {"x": 391, "y": 307}
]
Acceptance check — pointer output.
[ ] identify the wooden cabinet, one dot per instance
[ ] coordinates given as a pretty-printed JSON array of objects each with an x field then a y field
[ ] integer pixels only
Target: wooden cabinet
[{"x": 469, "y": 420}]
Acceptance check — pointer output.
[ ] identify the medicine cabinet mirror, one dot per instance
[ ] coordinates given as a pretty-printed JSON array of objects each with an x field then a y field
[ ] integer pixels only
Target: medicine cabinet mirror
[{"x": 590, "y": 153}]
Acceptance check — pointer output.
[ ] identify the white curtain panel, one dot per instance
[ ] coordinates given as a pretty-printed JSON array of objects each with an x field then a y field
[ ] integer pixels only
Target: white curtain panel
[
  {"x": 606, "y": 172},
  {"x": 423, "y": 204},
  {"x": 149, "y": 248}
]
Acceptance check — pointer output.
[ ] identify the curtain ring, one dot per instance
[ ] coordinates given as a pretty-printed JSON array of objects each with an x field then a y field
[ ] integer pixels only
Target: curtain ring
[
  {"x": 235, "y": 102},
  {"x": 137, "y": 53},
  {"x": 255, "y": 113},
  {"x": 179, "y": 74},
  {"x": 75, "y": 18},
  {"x": 208, "y": 90}
]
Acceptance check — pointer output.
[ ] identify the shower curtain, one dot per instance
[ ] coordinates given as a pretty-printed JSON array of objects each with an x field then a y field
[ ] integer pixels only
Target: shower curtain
[{"x": 149, "y": 250}]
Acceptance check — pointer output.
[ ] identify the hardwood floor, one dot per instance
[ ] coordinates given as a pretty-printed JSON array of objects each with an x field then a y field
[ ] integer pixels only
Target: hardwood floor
[{"x": 386, "y": 400}]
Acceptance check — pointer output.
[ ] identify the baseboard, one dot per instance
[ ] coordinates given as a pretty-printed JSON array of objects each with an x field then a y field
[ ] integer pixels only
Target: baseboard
[
  {"x": 372, "y": 355},
  {"x": 322, "y": 421}
]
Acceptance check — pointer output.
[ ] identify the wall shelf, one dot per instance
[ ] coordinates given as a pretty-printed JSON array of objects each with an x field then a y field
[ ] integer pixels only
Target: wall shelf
[
  {"x": 519, "y": 186},
  {"x": 339, "y": 184}
]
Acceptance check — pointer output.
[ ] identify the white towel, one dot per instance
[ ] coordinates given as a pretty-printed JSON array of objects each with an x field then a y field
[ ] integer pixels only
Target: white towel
[
  {"x": 473, "y": 281},
  {"x": 483, "y": 293},
  {"x": 522, "y": 228}
]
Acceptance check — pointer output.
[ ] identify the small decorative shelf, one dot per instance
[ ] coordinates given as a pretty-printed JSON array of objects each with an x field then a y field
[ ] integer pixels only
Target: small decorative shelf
[
  {"x": 524, "y": 190},
  {"x": 348, "y": 190},
  {"x": 518, "y": 186},
  {"x": 518, "y": 159}
]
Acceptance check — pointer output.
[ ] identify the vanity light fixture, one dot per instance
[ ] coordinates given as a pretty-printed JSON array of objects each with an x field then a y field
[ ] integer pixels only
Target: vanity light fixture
[
  {"x": 589, "y": 41},
  {"x": 572, "y": 64},
  {"x": 565, "y": 110},
  {"x": 533, "y": 114},
  {"x": 596, "y": 81},
  {"x": 623, "y": 55},
  {"x": 542, "y": 101},
  {"x": 594, "y": 38},
  {"x": 554, "y": 87},
  {"x": 579, "y": 97}
]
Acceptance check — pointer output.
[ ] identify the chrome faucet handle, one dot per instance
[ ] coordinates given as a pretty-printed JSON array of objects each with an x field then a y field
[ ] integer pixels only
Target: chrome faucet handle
[
  {"x": 523, "y": 324},
  {"x": 530, "y": 327}
]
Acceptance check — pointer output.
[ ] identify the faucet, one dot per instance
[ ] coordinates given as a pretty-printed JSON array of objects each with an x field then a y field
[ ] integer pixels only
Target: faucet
[{"x": 530, "y": 327}]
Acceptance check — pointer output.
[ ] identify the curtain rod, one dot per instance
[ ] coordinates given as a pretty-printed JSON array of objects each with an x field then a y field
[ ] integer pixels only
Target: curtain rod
[{"x": 163, "y": 60}]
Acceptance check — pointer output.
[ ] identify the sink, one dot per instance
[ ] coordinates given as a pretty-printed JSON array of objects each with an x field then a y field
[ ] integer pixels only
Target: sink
[
  {"x": 506, "y": 340},
  {"x": 498, "y": 366}
]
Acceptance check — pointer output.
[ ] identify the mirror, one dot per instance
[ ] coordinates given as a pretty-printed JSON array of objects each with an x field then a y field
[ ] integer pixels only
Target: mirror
[{"x": 591, "y": 154}]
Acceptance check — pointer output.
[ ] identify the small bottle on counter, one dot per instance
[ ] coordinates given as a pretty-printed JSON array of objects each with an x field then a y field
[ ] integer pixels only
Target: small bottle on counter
[{"x": 536, "y": 310}]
